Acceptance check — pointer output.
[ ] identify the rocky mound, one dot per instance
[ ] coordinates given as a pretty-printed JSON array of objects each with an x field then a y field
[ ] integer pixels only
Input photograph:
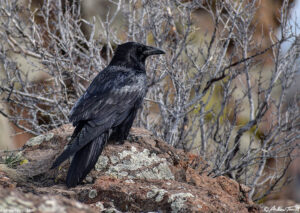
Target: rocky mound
[{"x": 144, "y": 174}]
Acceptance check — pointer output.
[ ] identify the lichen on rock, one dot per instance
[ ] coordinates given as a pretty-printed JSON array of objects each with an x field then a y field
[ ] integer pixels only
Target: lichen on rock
[
  {"x": 136, "y": 164},
  {"x": 160, "y": 172},
  {"x": 39, "y": 139},
  {"x": 101, "y": 163},
  {"x": 156, "y": 193},
  {"x": 143, "y": 175},
  {"x": 12, "y": 203},
  {"x": 178, "y": 201},
  {"x": 51, "y": 205}
]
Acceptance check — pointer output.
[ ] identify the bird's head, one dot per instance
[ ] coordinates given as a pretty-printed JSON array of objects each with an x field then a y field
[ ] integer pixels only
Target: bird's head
[{"x": 133, "y": 54}]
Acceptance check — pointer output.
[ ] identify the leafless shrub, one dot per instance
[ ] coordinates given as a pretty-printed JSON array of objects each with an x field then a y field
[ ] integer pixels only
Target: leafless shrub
[{"x": 211, "y": 95}]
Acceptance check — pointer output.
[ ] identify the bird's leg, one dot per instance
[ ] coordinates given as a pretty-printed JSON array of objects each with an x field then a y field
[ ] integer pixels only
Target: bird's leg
[{"x": 116, "y": 141}]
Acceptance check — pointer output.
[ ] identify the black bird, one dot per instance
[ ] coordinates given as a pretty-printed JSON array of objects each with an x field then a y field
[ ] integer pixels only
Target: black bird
[{"x": 107, "y": 109}]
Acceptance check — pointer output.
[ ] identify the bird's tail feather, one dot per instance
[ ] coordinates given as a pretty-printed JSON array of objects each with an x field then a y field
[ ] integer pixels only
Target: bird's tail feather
[
  {"x": 85, "y": 159},
  {"x": 76, "y": 143},
  {"x": 65, "y": 155}
]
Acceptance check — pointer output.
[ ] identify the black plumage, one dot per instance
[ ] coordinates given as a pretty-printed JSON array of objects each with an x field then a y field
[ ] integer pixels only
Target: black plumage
[{"x": 107, "y": 109}]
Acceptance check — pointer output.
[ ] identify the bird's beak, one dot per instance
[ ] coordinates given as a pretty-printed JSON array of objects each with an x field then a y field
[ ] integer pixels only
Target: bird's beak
[{"x": 153, "y": 51}]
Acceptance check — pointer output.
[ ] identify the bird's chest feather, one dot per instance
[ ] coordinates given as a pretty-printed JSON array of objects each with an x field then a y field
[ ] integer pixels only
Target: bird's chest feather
[{"x": 136, "y": 85}]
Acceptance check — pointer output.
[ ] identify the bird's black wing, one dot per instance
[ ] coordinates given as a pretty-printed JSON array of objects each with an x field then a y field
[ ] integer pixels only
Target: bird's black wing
[
  {"x": 105, "y": 104},
  {"x": 112, "y": 91}
]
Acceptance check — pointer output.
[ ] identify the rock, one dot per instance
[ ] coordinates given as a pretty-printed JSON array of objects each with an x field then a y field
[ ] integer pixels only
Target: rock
[
  {"x": 143, "y": 175},
  {"x": 15, "y": 201},
  {"x": 15, "y": 198},
  {"x": 39, "y": 139}
]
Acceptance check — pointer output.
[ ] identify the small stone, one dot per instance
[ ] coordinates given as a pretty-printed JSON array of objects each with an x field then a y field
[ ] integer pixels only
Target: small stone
[
  {"x": 39, "y": 139},
  {"x": 100, "y": 205},
  {"x": 35, "y": 141},
  {"x": 129, "y": 181},
  {"x": 93, "y": 193},
  {"x": 111, "y": 210},
  {"x": 89, "y": 179}
]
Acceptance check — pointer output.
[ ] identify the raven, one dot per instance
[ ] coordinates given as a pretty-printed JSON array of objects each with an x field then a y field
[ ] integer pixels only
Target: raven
[{"x": 107, "y": 109}]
